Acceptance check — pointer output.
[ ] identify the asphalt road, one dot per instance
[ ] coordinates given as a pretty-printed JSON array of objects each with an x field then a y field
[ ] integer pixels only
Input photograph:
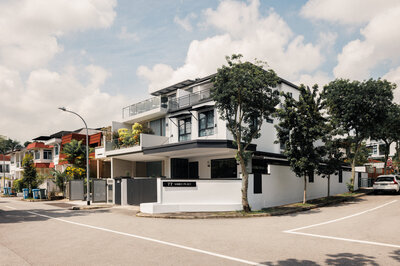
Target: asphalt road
[{"x": 365, "y": 232}]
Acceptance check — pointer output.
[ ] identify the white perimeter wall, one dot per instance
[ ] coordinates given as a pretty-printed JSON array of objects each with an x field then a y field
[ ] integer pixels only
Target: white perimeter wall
[
  {"x": 283, "y": 187},
  {"x": 205, "y": 192}
]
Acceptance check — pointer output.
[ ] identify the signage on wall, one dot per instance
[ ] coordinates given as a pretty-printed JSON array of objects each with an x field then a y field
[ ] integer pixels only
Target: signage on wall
[{"x": 178, "y": 184}]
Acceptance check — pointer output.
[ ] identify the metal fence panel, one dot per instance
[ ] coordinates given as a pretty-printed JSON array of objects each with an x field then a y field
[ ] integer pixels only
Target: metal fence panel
[
  {"x": 76, "y": 191},
  {"x": 99, "y": 191},
  {"x": 141, "y": 191}
]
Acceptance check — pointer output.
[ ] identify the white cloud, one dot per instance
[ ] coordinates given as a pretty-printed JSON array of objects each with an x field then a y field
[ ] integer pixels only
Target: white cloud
[
  {"x": 29, "y": 108},
  {"x": 379, "y": 45},
  {"x": 394, "y": 76},
  {"x": 29, "y": 32},
  {"x": 243, "y": 30},
  {"x": 346, "y": 12},
  {"x": 185, "y": 23},
  {"x": 320, "y": 78},
  {"x": 29, "y": 29},
  {"x": 125, "y": 35}
]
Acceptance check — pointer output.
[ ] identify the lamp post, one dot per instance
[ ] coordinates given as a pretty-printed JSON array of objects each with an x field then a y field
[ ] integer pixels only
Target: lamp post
[{"x": 87, "y": 154}]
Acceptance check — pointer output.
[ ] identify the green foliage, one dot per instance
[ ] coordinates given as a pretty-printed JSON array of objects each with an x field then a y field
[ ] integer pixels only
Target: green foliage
[
  {"x": 244, "y": 98},
  {"x": 75, "y": 153},
  {"x": 355, "y": 108},
  {"x": 300, "y": 126},
  {"x": 30, "y": 178},
  {"x": 388, "y": 129},
  {"x": 350, "y": 186},
  {"x": 18, "y": 185},
  {"x": 60, "y": 179}
]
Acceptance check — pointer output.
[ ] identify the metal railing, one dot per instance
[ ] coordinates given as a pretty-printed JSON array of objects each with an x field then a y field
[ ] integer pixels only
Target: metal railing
[
  {"x": 143, "y": 106},
  {"x": 189, "y": 100}
]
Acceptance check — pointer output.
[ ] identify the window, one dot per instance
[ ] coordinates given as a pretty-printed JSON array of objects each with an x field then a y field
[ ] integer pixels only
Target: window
[
  {"x": 158, "y": 126},
  {"x": 37, "y": 155},
  {"x": 340, "y": 176},
  {"x": 375, "y": 149},
  {"x": 47, "y": 154},
  {"x": 56, "y": 149},
  {"x": 206, "y": 123},
  {"x": 185, "y": 129},
  {"x": 382, "y": 148},
  {"x": 224, "y": 168}
]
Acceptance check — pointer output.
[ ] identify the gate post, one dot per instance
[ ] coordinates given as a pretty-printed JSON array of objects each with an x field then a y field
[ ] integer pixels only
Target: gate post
[{"x": 124, "y": 191}]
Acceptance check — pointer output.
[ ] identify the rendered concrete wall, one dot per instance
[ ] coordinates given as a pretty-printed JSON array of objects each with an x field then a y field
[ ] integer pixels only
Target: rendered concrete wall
[
  {"x": 283, "y": 187},
  {"x": 122, "y": 168}
]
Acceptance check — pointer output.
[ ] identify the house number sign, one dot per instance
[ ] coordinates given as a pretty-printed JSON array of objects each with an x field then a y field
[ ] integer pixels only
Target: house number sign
[{"x": 179, "y": 184}]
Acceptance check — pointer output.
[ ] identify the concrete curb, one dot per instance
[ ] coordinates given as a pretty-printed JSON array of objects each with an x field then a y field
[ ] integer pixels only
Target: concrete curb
[
  {"x": 221, "y": 215},
  {"x": 90, "y": 207}
]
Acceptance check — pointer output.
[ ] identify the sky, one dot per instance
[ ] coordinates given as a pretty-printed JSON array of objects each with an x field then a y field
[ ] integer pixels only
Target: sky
[{"x": 97, "y": 56}]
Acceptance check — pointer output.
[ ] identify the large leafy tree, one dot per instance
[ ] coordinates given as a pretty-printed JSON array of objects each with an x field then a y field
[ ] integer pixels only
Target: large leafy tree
[
  {"x": 388, "y": 130},
  {"x": 244, "y": 97},
  {"x": 301, "y": 125},
  {"x": 356, "y": 108}
]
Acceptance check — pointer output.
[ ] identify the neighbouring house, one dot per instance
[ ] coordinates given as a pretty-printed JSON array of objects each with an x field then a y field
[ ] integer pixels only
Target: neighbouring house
[
  {"x": 376, "y": 160},
  {"x": 5, "y": 177},
  {"x": 192, "y": 154}
]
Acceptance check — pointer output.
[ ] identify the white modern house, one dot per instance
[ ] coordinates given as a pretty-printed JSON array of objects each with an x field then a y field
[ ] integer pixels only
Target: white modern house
[
  {"x": 191, "y": 156},
  {"x": 5, "y": 176}
]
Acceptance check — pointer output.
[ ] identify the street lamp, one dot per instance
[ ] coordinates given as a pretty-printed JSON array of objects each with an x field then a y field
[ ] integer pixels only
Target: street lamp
[{"x": 87, "y": 153}]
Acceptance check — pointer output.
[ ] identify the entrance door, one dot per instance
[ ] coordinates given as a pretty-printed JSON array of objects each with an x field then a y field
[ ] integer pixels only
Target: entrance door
[{"x": 193, "y": 170}]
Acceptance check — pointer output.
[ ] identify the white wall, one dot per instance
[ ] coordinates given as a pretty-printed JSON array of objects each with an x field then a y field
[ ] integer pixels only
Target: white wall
[
  {"x": 206, "y": 192},
  {"x": 283, "y": 187}
]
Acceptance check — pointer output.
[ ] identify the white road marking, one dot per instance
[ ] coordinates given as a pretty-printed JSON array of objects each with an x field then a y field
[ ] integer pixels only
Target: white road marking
[
  {"x": 294, "y": 231},
  {"x": 150, "y": 239},
  {"x": 12, "y": 208},
  {"x": 347, "y": 239},
  {"x": 339, "y": 219}
]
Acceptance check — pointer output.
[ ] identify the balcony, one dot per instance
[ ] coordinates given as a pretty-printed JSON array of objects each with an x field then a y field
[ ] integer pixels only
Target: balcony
[
  {"x": 146, "y": 109},
  {"x": 115, "y": 146},
  {"x": 189, "y": 100}
]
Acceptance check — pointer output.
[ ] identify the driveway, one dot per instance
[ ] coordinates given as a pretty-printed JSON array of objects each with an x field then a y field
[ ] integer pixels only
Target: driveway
[{"x": 364, "y": 232}]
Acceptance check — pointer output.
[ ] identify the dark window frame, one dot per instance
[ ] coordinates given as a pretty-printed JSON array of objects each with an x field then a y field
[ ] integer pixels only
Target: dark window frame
[
  {"x": 185, "y": 121},
  {"x": 340, "y": 176},
  {"x": 207, "y": 128}
]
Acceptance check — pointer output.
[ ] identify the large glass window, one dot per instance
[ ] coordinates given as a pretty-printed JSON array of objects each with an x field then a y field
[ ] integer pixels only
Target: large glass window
[
  {"x": 158, "y": 126},
  {"x": 37, "y": 155},
  {"x": 206, "y": 123},
  {"x": 224, "y": 168},
  {"x": 56, "y": 149},
  {"x": 185, "y": 129},
  {"x": 47, "y": 155}
]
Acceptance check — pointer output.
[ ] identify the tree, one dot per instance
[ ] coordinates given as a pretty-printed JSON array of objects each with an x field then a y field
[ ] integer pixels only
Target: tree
[
  {"x": 300, "y": 126},
  {"x": 244, "y": 98},
  {"x": 29, "y": 174},
  {"x": 75, "y": 153},
  {"x": 388, "y": 130},
  {"x": 355, "y": 108},
  {"x": 60, "y": 179},
  {"x": 332, "y": 156}
]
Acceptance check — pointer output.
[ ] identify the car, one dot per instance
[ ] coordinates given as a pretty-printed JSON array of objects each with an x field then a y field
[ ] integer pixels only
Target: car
[{"x": 387, "y": 183}]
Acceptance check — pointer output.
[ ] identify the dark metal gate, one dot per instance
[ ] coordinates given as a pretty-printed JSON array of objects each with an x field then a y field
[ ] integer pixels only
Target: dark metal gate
[
  {"x": 141, "y": 191},
  {"x": 76, "y": 191},
  {"x": 118, "y": 191},
  {"x": 99, "y": 190}
]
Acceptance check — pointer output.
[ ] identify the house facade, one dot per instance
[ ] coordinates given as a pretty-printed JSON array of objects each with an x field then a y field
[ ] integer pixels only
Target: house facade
[
  {"x": 5, "y": 164},
  {"x": 193, "y": 154}
]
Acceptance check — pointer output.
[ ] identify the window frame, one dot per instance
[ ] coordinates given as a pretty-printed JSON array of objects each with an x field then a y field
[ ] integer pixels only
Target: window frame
[
  {"x": 45, "y": 154},
  {"x": 207, "y": 128},
  {"x": 189, "y": 134},
  {"x": 36, "y": 152}
]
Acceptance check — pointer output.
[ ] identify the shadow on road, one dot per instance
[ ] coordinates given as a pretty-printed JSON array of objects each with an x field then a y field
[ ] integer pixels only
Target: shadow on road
[
  {"x": 22, "y": 216},
  {"x": 336, "y": 259}
]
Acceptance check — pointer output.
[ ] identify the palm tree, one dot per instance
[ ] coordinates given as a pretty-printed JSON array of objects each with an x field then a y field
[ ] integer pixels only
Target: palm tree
[{"x": 75, "y": 153}]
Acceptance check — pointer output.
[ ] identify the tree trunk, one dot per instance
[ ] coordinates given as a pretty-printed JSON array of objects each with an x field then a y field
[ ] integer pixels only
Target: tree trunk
[
  {"x": 305, "y": 189},
  {"x": 245, "y": 184},
  {"x": 329, "y": 185},
  {"x": 353, "y": 172}
]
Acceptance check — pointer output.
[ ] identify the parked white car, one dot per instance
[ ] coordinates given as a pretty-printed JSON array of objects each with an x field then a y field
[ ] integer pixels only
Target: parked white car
[{"x": 387, "y": 183}]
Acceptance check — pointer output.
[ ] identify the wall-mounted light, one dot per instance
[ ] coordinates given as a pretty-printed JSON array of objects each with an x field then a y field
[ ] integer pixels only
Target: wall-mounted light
[{"x": 208, "y": 163}]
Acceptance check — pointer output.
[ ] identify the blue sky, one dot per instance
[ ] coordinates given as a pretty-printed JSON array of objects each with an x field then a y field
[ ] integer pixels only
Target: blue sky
[{"x": 96, "y": 56}]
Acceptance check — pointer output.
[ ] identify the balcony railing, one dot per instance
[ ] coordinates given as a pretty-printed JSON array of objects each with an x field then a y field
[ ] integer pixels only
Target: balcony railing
[
  {"x": 143, "y": 106},
  {"x": 188, "y": 100}
]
